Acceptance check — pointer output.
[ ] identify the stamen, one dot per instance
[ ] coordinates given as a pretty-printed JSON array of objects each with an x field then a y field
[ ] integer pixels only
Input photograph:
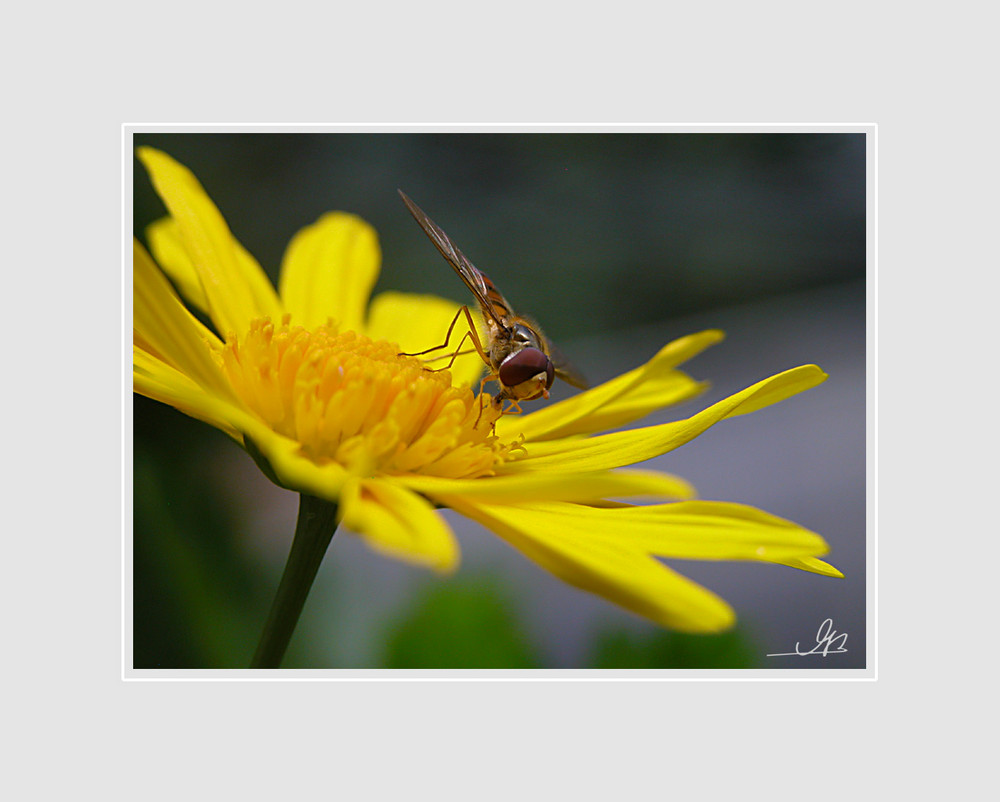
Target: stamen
[{"x": 356, "y": 401}]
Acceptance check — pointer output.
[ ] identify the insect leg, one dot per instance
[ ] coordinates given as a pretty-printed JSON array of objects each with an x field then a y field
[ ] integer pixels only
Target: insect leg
[
  {"x": 454, "y": 356},
  {"x": 466, "y": 352},
  {"x": 447, "y": 338},
  {"x": 514, "y": 407},
  {"x": 471, "y": 334},
  {"x": 481, "y": 395}
]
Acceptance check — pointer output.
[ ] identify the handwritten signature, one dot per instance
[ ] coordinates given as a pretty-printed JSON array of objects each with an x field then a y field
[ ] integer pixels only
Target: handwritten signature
[{"x": 828, "y": 641}]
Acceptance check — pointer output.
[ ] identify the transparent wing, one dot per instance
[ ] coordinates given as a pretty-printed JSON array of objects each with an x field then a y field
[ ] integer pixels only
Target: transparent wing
[
  {"x": 477, "y": 283},
  {"x": 565, "y": 369}
]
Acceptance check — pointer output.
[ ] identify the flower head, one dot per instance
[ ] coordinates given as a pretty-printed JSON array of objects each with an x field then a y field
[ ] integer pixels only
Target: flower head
[{"x": 310, "y": 379}]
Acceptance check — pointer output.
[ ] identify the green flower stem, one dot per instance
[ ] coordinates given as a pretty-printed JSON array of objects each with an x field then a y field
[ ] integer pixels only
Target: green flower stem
[{"x": 314, "y": 530}]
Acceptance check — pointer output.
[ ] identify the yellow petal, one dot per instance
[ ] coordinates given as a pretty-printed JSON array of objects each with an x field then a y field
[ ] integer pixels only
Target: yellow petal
[
  {"x": 419, "y": 322},
  {"x": 610, "y": 551},
  {"x": 625, "y": 398},
  {"x": 395, "y": 521},
  {"x": 550, "y": 486},
  {"x": 294, "y": 470},
  {"x": 607, "y": 451},
  {"x": 237, "y": 291},
  {"x": 691, "y": 530},
  {"x": 610, "y": 567},
  {"x": 812, "y": 565},
  {"x": 651, "y": 396},
  {"x": 155, "y": 379},
  {"x": 163, "y": 323},
  {"x": 329, "y": 270},
  {"x": 168, "y": 250}
]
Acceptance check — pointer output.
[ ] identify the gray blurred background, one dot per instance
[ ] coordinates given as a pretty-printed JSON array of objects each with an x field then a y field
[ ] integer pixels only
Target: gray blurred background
[{"x": 616, "y": 243}]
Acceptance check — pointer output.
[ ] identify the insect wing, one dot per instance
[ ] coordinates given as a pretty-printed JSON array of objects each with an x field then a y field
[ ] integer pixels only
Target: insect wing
[
  {"x": 565, "y": 369},
  {"x": 480, "y": 286},
  {"x": 491, "y": 301}
]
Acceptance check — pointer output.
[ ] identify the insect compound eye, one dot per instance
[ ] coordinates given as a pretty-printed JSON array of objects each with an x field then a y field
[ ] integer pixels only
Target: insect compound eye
[{"x": 525, "y": 365}]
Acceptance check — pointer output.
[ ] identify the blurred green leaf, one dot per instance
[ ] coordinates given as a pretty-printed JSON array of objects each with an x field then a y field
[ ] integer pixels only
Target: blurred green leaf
[
  {"x": 460, "y": 624},
  {"x": 661, "y": 649},
  {"x": 194, "y": 601}
]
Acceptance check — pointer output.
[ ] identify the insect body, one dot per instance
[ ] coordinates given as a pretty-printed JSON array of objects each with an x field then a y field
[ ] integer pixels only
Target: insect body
[{"x": 517, "y": 353}]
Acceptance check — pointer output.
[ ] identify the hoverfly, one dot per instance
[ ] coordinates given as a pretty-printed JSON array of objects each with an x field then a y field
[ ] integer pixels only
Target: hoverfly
[{"x": 517, "y": 353}]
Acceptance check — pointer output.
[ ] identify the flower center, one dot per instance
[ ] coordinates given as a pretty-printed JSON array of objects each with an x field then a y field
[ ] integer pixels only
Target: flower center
[{"x": 347, "y": 398}]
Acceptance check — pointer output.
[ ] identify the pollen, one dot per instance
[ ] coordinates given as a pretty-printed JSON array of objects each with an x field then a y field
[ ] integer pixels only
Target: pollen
[{"x": 350, "y": 399}]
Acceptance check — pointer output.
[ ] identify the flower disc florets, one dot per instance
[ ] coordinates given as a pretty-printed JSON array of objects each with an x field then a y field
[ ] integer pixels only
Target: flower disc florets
[{"x": 353, "y": 400}]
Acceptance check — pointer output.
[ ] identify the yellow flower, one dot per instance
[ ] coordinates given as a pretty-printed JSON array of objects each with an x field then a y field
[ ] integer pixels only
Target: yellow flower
[{"x": 311, "y": 384}]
